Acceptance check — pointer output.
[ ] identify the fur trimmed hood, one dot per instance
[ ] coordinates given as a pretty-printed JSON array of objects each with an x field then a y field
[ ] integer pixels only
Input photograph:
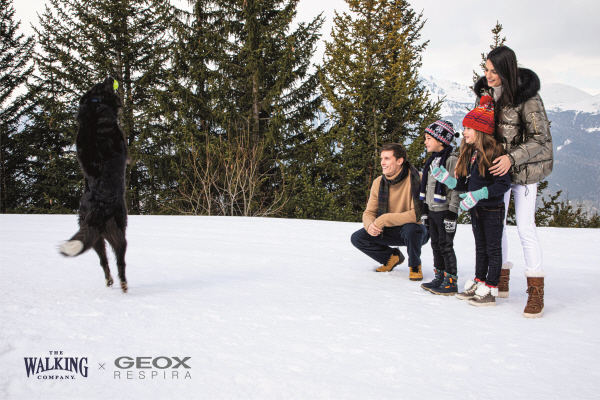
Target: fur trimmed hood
[{"x": 529, "y": 85}]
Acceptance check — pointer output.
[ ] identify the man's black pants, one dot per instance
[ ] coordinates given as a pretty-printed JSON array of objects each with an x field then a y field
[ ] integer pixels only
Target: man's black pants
[{"x": 413, "y": 236}]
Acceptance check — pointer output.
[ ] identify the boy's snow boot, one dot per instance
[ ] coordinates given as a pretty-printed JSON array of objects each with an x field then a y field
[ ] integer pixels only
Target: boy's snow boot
[
  {"x": 439, "y": 278},
  {"x": 469, "y": 291},
  {"x": 416, "y": 273},
  {"x": 395, "y": 259},
  {"x": 448, "y": 287},
  {"x": 504, "y": 278},
  {"x": 535, "y": 289},
  {"x": 484, "y": 296}
]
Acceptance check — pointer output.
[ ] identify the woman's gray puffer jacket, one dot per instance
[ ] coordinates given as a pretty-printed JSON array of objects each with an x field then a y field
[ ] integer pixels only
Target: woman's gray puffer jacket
[{"x": 524, "y": 130}]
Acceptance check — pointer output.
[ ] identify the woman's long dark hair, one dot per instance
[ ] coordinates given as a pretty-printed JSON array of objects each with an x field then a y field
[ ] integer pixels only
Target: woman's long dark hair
[{"x": 504, "y": 61}]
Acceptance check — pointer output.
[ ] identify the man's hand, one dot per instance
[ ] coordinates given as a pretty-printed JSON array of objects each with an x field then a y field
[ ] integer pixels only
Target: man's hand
[
  {"x": 373, "y": 230},
  {"x": 502, "y": 166}
]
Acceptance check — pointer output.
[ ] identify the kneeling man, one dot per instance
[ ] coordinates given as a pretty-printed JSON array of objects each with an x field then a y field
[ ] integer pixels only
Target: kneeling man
[{"x": 393, "y": 215}]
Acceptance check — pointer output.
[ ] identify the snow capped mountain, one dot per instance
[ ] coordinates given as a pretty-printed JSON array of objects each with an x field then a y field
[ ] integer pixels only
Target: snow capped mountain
[
  {"x": 451, "y": 90},
  {"x": 557, "y": 93},
  {"x": 590, "y": 105},
  {"x": 559, "y": 97},
  {"x": 458, "y": 98}
]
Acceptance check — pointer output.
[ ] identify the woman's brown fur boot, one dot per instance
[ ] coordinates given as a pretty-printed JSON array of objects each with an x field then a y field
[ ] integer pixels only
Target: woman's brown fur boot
[
  {"x": 504, "y": 278},
  {"x": 535, "y": 289}
]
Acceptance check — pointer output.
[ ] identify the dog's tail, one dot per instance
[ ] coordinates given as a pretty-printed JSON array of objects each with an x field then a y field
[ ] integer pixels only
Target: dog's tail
[{"x": 81, "y": 242}]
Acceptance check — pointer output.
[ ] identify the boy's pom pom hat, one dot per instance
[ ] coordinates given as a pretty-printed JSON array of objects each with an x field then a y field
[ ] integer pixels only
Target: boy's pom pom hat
[
  {"x": 481, "y": 118},
  {"x": 442, "y": 130}
]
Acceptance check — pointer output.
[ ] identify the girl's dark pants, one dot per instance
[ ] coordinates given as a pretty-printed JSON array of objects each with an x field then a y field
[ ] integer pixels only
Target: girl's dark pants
[
  {"x": 488, "y": 223},
  {"x": 442, "y": 243},
  {"x": 413, "y": 236}
]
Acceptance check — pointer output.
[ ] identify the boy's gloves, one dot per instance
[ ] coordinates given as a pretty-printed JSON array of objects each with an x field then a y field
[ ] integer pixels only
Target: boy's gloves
[
  {"x": 425, "y": 215},
  {"x": 450, "y": 221},
  {"x": 441, "y": 175},
  {"x": 471, "y": 198}
]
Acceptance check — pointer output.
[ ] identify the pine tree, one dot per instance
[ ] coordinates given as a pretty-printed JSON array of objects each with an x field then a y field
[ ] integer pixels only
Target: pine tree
[
  {"x": 593, "y": 221},
  {"x": 265, "y": 76},
  {"x": 15, "y": 54},
  {"x": 316, "y": 193},
  {"x": 563, "y": 214},
  {"x": 497, "y": 41},
  {"x": 15, "y": 68},
  {"x": 53, "y": 179},
  {"x": 187, "y": 112},
  {"x": 241, "y": 93},
  {"x": 81, "y": 43},
  {"x": 267, "y": 88},
  {"x": 370, "y": 79}
]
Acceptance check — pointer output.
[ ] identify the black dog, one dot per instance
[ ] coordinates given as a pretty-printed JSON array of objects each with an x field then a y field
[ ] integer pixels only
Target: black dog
[{"x": 102, "y": 155}]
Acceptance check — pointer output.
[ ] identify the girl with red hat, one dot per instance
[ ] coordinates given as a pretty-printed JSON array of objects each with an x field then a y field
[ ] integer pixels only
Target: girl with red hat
[{"x": 484, "y": 199}]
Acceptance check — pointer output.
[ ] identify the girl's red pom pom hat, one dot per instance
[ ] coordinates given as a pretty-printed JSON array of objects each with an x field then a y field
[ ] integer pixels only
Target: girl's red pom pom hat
[{"x": 481, "y": 118}]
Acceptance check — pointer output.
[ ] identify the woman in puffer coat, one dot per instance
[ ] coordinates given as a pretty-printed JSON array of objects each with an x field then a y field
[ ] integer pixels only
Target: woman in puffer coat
[{"x": 523, "y": 128}]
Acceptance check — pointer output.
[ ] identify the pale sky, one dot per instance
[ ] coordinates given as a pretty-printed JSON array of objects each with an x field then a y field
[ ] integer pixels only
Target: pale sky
[{"x": 558, "y": 39}]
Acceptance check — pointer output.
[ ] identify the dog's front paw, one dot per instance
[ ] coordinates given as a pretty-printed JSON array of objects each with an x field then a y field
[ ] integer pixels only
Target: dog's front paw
[
  {"x": 109, "y": 281},
  {"x": 124, "y": 286},
  {"x": 71, "y": 248}
]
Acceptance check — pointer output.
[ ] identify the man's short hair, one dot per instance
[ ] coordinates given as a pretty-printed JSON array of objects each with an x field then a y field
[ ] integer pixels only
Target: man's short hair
[{"x": 397, "y": 148}]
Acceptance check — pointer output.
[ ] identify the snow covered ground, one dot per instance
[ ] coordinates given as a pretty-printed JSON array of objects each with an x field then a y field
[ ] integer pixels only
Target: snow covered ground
[{"x": 286, "y": 309}]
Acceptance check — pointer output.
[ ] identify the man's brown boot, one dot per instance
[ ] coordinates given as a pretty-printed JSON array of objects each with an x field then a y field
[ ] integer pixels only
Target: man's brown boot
[
  {"x": 504, "y": 278},
  {"x": 416, "y": 273},
  {"x": 535, "y": 289},
  {"x": 395, "y": 259}
]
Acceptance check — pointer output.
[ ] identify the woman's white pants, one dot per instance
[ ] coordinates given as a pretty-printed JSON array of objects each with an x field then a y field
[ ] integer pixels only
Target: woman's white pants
[{"x": 525, "y": 197}]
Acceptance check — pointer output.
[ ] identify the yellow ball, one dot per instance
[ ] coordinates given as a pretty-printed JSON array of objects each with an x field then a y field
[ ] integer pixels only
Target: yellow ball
[{"x": 115, "y": 84}]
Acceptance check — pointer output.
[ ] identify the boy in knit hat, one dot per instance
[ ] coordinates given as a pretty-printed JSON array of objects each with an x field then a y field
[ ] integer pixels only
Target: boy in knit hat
[{"x": 440, "y": 207}]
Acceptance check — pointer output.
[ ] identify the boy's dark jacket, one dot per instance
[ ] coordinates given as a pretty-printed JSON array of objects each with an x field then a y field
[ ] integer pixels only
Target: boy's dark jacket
[{"x": 496, "y": 185}]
